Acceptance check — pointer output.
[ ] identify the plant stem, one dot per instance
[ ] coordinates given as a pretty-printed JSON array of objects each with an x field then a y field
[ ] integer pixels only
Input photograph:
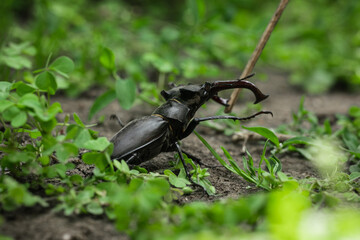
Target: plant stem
[{"x": 257, "y": 52}]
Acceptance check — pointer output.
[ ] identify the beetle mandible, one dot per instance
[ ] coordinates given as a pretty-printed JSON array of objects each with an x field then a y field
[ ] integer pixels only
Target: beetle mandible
[{"x": 142, "y": 139}]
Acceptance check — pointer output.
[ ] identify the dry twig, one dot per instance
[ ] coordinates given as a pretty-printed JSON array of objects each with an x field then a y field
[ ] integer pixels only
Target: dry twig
[{"x": 256, "y": 54}]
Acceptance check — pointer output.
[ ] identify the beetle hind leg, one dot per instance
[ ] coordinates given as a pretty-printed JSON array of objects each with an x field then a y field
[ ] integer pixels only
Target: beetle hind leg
[
  {"x": 130, "y": 160},
  {"x": 116, "y": 117}
]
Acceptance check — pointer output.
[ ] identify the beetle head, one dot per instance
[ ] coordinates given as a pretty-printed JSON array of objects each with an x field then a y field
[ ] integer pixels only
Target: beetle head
[
  {"x": 198, "y": 94},
  {"x": 192, "y": 94}
]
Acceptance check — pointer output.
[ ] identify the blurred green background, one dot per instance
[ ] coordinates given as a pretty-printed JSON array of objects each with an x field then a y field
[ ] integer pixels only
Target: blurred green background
[{"x": 316, "y": 42}]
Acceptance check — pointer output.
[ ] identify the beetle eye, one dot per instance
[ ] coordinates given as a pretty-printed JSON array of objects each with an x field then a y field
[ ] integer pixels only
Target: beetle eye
[
  {"x": 165, "y": 94},
  {"x": 207, "y": 87}
]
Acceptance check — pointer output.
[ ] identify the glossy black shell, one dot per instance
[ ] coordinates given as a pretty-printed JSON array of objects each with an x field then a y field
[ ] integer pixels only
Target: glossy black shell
[{"x": 146, "y": 137}]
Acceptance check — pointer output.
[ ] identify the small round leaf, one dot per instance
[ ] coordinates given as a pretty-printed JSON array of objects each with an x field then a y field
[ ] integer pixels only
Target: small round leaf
[
  {"x": 125, "y": 92},
  {"x": 46, "y": 81},
  {"x": 63, "y": 64},
  {"x": 107, "y": 59},
  {"x": 19, "y": 120}
]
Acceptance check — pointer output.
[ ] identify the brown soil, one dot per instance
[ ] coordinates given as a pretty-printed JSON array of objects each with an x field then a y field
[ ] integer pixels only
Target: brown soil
[{"x": 40, "y": 223}]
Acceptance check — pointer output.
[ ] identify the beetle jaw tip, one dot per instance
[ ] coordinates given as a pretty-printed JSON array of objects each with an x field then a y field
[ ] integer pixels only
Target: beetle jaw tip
[{"x": 261, "y": 98}]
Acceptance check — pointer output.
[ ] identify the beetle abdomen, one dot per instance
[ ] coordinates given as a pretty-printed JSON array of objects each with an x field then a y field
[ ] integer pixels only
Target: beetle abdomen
[{"x": 146, "y": 137}]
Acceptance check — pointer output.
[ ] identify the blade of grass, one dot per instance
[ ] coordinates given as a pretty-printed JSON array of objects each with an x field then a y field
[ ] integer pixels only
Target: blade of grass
[
  {"x": 238, "y": 170},
  {"x": 214, "y": 153}
]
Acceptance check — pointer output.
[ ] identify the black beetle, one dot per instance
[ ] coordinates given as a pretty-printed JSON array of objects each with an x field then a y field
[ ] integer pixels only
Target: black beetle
[{"x": 144, "y": 138}]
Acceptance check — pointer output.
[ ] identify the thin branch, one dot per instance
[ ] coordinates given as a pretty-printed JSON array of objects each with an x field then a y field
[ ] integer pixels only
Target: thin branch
[{"x": 257, "y": 52}]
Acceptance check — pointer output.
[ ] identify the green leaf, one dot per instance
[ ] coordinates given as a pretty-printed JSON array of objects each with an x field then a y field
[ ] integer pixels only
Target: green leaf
[
  {"x": 46, "y": 81},
  {"x": 354, "y": 176},
  {"x": 17, "y": 195},
  {"x": 65, "y": 150},
  {"x": 282, "y": 176},
  {"x": 16, "y": 116},
  {"x": 99, "y": 144},
  {"x": 96, "y": 158},
  {"x": 265, "y": 132},
  {"x": 125, "y": 167},
  {"x": 4, "y": 89},
  {"x": 76, "y": 179},
  {"x": 23, "y": 88},
  {"x": 31, "y": 101},
  {"x": 297, "y": 140},
  {"x": 354, "y": 111},
  {"x": 52, "y": 111},
  {"x": 101, "y": 102},
  {"x": 44, "y": 160},
  {"x": 168, "y": 172},
  {"x": 351, "y": 140},
  {"x": 94, "y": 208},
  {"x": 82, "y": 137},
  {"x": 78, "y": 120},
  {"x": 63, "y": 65},
  {"x": 206, "y": 184},
  {"x": 4, "y": 104},
  {"x": 140, "y": 169},
  {"x": 125, "y": 92},
  {"x": 107, "y": 59},
  {"x": 327, "y": 127},
  {"x": 160, "y": 64},
  {"x": 5, "y": 86},
  {"x": 214, "y": 153},
  {"x": 1, "y": 136},
  {"x": 23, "y": 156},
  {"x": 16, "y": 62},
  {"x": 55, "y": 171},
  {"x": 236, "y": 168},
  {"x": 49, "y": 125},
  {"x": 10, "y": 113},
  {"x": 178, "y": 182},
  {"x": 118, "y": 165},
  {"x": 19, "y": 120},
  {"x": 305, "y": 153}
]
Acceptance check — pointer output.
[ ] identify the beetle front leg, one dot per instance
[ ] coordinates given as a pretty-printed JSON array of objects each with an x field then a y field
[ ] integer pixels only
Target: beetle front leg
[
  {"x": 192, "y": 125},
  {"x": 182, "y": 160},
  {"x": 198, "y": 120}
]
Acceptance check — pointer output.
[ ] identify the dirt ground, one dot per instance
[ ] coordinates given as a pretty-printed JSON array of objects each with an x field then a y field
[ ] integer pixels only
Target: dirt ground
[{"x": 40, "y": 223}]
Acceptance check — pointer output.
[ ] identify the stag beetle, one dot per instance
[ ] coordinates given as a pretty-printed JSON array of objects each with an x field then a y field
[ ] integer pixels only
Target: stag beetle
[{"x": 144, "y": 138}]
